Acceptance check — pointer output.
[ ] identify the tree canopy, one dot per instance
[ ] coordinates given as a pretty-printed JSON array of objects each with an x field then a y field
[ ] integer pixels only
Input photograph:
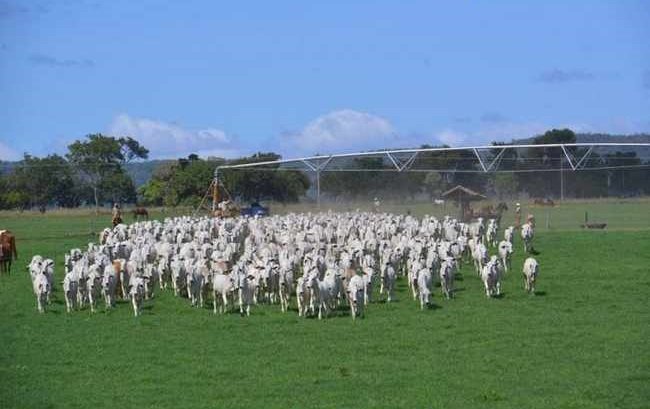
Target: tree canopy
[{"x": 99, "y": 160}]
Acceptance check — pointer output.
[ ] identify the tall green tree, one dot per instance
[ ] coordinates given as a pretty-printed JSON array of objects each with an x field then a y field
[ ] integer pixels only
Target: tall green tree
[
  {"x": 42, "y": 181},
  {"x": 100, "y": 158}
]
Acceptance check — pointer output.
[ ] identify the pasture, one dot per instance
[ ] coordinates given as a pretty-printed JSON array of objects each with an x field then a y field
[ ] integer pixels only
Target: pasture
[{"x": 581, "y": 342}]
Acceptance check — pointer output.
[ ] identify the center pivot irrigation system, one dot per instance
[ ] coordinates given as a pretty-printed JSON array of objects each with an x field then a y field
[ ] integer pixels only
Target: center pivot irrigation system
[{"x": 572, "y": 157}]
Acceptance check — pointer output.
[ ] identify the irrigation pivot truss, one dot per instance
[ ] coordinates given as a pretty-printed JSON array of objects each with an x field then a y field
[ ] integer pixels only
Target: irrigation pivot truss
[
  {"x": 572, "y": 157},
  {"x": 578, "y": 156}
]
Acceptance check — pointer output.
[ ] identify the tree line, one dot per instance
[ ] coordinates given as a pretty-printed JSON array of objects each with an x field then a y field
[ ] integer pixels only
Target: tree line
[{"x": 93, "y": 172}]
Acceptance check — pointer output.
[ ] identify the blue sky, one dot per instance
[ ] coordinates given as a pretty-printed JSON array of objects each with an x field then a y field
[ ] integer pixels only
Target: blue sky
[{"x": 296, "y": 77}]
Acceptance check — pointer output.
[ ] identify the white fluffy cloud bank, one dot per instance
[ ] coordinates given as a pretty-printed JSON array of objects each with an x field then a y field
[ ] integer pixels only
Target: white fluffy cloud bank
[
  {"x": 168, "y": 140},
  {"x": 340, "y": 131}
]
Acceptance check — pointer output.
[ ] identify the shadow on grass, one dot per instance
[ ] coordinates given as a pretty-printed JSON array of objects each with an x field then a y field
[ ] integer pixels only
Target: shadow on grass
[
  {"x": 385, "y": 301},
  {"x": 539, "y": 293},
  {"x": 431, "y": 307}
]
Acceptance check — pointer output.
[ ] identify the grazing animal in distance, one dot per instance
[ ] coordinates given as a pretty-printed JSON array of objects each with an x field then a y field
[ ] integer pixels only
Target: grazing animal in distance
[
  {"x": 140, "y": 212},
  {"x": 8, "y": 251}
]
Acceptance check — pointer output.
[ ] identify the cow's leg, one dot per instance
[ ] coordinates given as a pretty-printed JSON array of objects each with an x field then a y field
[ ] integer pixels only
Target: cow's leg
[
  {"x": 525, "y": 282},
  {"x": 224, "y": 298}
]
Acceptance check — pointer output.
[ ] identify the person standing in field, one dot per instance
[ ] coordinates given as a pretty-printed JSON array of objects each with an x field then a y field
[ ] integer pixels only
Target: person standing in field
[
  {"x": 517, "y": 215},
  {"x": 117, "y": 215}
]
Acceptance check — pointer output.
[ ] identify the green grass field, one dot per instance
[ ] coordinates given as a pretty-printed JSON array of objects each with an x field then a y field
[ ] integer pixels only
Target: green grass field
[{"x": 581, "y": 342}]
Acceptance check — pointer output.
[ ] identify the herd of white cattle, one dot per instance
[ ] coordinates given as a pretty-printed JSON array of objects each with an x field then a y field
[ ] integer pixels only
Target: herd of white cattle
[{"x": 324, "y": 260}]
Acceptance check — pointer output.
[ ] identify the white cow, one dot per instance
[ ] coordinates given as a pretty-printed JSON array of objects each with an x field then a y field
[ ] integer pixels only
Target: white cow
[
  {"x": 194, "y": 282},
  {"x": 93, "y": 288},
  {"x": 35, "y": 266},
  {"x": 368, "y": 273},
  {"x": 285, "y": 287},
  {"x": 491, "y": 233},
  {"x": 322, "y": 291},
  {"x": 356, "y": 296},
  {"x": 447, "y": 271},
  {"x": 490, "y": 275},
  {"x": 136, "y": 293},
  {"x": 41, "y": 290},
  {"x": 70, "y": 289},
  {"x": 505, "y": 253},
  {"x": 388, "y": 278},
  {"x": 424, "y": 287},
  {"x": 223, "y": 286},
  {"x": 109, "y": 286},
  {"x": 531, "y": 271},
  {"x": 527, "y": 234},
  {"x": 178, "y": 274},
  {"x": 47, "y": 268},
  {"x": 247, "y": 286},
  {"x": 480, "y": 256}
]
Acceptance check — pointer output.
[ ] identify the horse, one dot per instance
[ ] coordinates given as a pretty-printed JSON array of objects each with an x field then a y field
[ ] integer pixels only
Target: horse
[
  {"x": 490, "y": 212},
  {"x": 8, "y": 250},
  {"x": 140, "y": 212}
]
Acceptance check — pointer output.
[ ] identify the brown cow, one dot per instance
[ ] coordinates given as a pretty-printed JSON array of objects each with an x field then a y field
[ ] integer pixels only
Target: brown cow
[{"x": 8, "y": 250}]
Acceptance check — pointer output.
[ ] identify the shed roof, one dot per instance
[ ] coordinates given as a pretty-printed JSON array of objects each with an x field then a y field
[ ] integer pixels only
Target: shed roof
[{"x": 459, "y": 192}]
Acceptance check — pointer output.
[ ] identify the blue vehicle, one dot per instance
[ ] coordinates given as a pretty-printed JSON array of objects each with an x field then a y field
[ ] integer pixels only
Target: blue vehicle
[{"x": 255, "y": 209}]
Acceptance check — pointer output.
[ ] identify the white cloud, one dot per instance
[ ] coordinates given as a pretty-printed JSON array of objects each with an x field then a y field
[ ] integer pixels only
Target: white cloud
[
  {"x": 7, "y": 153},
  {"x": 451, "y": 137},
  {"x": 339, "y": 131},
  {"x": 167, "y": 140}
]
